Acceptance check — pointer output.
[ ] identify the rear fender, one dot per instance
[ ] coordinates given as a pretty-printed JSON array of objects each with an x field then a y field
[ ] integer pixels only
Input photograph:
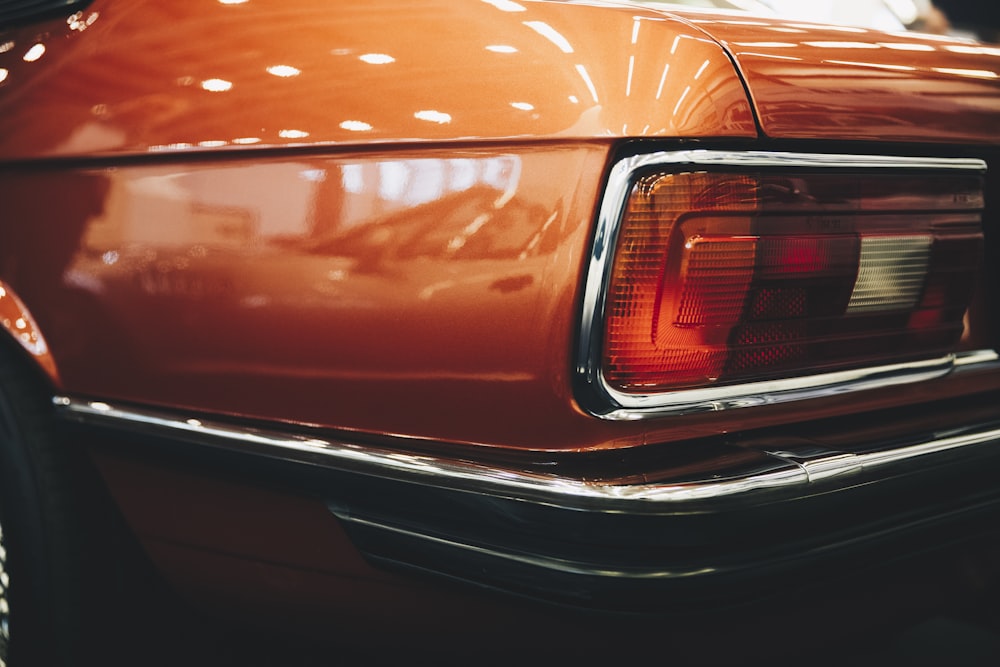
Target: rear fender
[{"x": 17, "y": 323}]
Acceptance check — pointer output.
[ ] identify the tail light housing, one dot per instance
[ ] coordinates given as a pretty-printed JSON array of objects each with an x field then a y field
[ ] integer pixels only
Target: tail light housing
[{"x": 728, "y": 279}]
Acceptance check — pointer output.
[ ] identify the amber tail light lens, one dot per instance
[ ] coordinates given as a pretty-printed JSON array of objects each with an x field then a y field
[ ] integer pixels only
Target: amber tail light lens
[{"x": 723, "y": 277}]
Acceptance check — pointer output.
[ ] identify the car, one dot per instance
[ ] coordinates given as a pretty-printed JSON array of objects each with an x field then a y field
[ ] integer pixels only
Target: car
[{"x": 539, "y": 326}]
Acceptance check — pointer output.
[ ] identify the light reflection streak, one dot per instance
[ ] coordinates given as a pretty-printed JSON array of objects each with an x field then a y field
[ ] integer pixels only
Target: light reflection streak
[
  {"x": 701, "y": 70},
  {"x": 551, "y": 34},
  {"x": 823, "y": 44},
  {"x": 432, "y": 116},
  {"x": 663, "y": 79},
  {"x": 352, "y": 178},
  {"x": 635, "y": 30},
  {"x": 735, "y": 22},
  {"x": 832, "y": 28},
  {"x": 631, "y": 68},
  {"x": 767, "y": 45},
  {"x": 3, "y": 74},
  {"x": 501, "y": 48},
  {"x": 973, "y": 50},
  {"x": 216, "y": 85},
  {"x": 180, "y": 146},
  {"x": 974, "y": 73},
  {"x": 376, "y": 58},
  {"x": 463, "y": 174},
  {"x": 906, "y": 46},
  {"x": 356, "y": 126},
  {"x": 313, "y": 175},
  {"x": 773, "y": 56},
  {"x": 34, "y": 53},
  {"x": 6, "y": 46},
  {"x": 79, "y": 24},
  {"x": 851, "y": 63},
  {"x": 506, "y": 5},
  {"x": 293, "y": 134},
  {"x": 393, "y": 178},
  {"x": 680, "y": 101},
  {"x": 283, "y": 71}
]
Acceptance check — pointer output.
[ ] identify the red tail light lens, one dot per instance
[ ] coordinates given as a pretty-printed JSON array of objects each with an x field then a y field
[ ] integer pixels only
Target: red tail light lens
[{"x": 731, "y": 277}]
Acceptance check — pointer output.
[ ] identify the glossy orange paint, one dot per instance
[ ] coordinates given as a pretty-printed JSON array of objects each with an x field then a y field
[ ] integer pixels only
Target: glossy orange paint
[
  {"x": 148, "y": 76},
  {"x": 243, "y": 228},
  {"x": 845, "y": 83},
  {"x": 398, "y": 293},
  {"x": 429, "y": 294}
]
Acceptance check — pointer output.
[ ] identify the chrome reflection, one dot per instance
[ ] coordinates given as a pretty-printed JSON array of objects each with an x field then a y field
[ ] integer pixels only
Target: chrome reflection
[
  {"x": 790, "y": 470},
  {"x": 458, "y": 474},
  {"x": 550, "y": 563},
  {"x": 607, "y": 402}
]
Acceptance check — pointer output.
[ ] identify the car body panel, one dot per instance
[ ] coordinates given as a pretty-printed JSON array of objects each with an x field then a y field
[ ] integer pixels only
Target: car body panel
[
  {"x": 182, "y": 250},
  {"x": 118, "y": 81},
  {"x": 400, "y": 294},
  {"x": 856, "y": 84},
  {"x": 318, "y": 268}
]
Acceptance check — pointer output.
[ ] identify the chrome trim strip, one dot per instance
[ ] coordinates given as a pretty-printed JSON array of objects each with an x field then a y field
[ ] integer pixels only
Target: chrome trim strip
[
  {"x": 792, "y": 470},
  {"x": 602, "y": 400},
  {"x": 544, "y": 562},
  {"x": 975, "y": 358}
]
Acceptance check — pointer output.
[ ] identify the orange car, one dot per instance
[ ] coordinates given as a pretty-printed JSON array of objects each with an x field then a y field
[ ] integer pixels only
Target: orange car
[{"x": 465, "y": 313}]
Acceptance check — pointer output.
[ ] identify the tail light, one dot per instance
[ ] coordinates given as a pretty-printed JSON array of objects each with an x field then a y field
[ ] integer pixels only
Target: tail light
[{"x": 727, "y": 279}]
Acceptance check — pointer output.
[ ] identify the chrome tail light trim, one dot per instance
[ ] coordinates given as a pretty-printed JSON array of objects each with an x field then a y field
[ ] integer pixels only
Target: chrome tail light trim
[{"x": 602, "y": 400}]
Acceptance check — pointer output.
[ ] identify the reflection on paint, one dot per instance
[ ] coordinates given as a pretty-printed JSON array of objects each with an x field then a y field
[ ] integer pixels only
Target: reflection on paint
[
  {"x": 166, "y": 208},
  {"x": 19, "y": 324}
]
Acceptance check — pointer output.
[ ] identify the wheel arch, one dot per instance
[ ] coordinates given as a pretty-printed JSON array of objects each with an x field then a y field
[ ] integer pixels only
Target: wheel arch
[{"x": 20, "y": 328}]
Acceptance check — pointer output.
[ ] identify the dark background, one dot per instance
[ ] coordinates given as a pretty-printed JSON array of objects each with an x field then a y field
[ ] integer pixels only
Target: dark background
[{"x": 978, "y": 16}]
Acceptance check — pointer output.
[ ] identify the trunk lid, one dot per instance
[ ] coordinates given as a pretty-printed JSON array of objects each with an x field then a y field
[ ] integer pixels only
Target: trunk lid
[{"x": 809, "y": 81}]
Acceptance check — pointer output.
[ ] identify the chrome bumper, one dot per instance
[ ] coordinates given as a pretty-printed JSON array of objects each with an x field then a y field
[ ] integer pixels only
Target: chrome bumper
[{"x": 686, "y": 517}]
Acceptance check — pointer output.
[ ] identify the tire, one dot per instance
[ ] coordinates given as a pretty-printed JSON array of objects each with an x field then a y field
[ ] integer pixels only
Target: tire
[{"x": 47, "y": 612}]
